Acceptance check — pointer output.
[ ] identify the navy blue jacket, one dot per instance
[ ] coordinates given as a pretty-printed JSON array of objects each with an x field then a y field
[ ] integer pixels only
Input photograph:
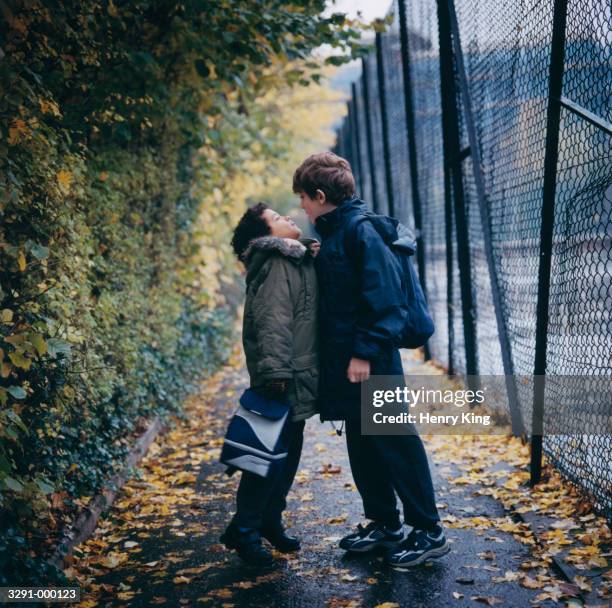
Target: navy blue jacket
[{"x": 362, "y": 309}]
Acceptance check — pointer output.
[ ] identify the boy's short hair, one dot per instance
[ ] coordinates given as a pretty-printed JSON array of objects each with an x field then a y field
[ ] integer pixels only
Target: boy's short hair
[
  {"x": 327, "y": 172},
  {"x": 252, "y": 225}
]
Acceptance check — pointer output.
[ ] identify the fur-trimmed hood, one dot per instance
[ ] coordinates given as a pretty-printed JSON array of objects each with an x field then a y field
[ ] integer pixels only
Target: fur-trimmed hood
[
  {"x": 291, "y": 248},
  {"x": 259, "y": 250}
]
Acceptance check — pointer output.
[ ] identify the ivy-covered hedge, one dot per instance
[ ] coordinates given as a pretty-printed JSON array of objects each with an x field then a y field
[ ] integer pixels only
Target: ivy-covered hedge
[{"x": 124, "y": 128}]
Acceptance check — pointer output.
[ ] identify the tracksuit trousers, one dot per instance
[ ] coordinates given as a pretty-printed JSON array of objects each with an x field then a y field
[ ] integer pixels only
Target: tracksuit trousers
[{"x": 383, "y": 465}]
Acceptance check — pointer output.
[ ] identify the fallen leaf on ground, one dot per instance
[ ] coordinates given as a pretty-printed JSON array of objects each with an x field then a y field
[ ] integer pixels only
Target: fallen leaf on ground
[{"x": 489, "y": 601}]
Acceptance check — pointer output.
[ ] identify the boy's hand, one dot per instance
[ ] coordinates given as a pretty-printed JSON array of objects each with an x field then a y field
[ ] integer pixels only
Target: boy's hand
[
  {"x": 358, "y": 370},
  {"x": 314, "y": 248}
]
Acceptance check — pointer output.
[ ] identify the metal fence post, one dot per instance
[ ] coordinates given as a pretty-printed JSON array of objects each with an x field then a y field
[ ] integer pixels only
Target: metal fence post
[
  {"x": 348, "y": 122},
  {"x": 412, "y": 151},
  {"x": 553, "y": 117},
  {"x": 348, "y": 138},
  {"x": 382, "y": 98},
  {"x": 355, "y": 117},
  {"x": 485, "y": 220},
  {"x": 369, "y": 136},
  {"x": 341, "y": 140},
  {"x": 452, "y": 161}
]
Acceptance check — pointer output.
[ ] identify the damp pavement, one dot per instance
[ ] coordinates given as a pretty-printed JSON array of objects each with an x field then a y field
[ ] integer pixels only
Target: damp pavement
[{"x": 159, "y": 543}]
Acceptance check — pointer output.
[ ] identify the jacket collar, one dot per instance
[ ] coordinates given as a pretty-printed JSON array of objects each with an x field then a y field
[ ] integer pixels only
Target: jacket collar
[{"x": 328, "y": 223}]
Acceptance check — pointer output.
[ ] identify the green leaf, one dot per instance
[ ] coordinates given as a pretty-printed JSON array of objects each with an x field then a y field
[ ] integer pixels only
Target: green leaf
[
  {"x": 56, "y": 347},
  {"x": 5, "y": 465},
  {"x": 38, "y": 342},
  {"x": 17, "y": 420},
  {"x": 12, "y": 484},
  {"x": 17, "y": 392},
  {"x": 45, "y": 486},
  {"x": 40, "y": 252}
]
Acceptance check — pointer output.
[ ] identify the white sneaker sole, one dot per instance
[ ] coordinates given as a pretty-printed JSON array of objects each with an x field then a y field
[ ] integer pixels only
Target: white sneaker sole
[{"x": 433, "y": 554}]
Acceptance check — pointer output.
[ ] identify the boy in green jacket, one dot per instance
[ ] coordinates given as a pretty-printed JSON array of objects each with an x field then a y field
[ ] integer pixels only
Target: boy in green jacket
[{"x": 280, "y": 343}]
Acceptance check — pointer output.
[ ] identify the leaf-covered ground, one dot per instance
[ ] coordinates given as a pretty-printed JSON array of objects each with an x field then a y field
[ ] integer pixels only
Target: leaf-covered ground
[{"x": 158, "y": 545}]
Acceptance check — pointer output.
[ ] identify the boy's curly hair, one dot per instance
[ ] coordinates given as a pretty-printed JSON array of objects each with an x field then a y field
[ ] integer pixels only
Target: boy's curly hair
[{"x": 251, "y": 226}]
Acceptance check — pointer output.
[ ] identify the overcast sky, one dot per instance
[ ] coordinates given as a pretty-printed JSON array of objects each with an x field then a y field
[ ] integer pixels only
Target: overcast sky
[{"x": 370, "y": 9}]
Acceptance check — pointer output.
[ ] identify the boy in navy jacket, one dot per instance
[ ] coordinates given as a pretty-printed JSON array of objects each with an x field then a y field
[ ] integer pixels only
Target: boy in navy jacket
[{"x": 361, "y": 313}]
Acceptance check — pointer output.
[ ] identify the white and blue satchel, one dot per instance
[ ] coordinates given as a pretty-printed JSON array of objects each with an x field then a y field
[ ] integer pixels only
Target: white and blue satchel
[{"x": 256, "y": 438}]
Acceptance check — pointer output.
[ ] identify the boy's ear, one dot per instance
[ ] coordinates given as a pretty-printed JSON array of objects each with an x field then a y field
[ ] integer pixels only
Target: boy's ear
[{"x": 321, "y": 198}]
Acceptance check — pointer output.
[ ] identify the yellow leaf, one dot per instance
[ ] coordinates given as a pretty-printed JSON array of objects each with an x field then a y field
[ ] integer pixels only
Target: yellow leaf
[
  {"x": 7, "y": 315},
  {"x": 17, "y": 131},
  {"x": 21, "y": 261},
  {"x": 20, "y": 361},
  {"x": 49, "y": 107},
  {"x": 530, "y": 583},
  {"x": 195, "y": 570},
  {"x": 112, "y": 560},
  {"x": 461, "y": 480},
  {"x": 177, "y": 580},
  {"x": 64, "y": 179}
]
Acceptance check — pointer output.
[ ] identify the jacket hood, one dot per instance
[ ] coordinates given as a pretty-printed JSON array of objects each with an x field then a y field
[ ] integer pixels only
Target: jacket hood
[
  {"x": 405, "y": 239},
  {"x": 259, "y": 250}
]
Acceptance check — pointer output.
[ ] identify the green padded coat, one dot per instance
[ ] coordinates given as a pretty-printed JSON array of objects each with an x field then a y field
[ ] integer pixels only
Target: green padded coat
[{"x": 279, "y": 331}]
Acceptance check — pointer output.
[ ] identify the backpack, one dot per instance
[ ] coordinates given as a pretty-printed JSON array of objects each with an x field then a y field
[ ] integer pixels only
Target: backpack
[{"x": 419, "y": 326}]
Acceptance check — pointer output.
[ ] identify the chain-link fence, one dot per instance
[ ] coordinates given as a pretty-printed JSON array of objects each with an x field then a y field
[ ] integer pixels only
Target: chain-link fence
[{"x": 487, "y": 127}]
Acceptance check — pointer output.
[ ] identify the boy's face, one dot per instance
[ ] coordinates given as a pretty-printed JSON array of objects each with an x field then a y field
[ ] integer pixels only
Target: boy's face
[
  {"x": 314, "y": 207},
  {"x": 281, "y": 225}
]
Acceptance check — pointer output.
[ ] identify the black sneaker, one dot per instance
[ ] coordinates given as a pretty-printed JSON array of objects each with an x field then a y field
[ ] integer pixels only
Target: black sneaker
[
  {"x": 247, "y": 543},
  {"x": 420, "y": 546},
  {"x": 373, "y": 536}
]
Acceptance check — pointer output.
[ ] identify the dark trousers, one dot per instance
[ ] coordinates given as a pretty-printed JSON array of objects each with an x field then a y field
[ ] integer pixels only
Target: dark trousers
[
  {"x": 261, "y": 501},
  {"x": 385, "y": 464}
]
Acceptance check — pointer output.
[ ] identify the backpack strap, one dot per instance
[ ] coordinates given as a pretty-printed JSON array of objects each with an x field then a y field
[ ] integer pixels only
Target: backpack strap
[{"x": 350, "y": 234}]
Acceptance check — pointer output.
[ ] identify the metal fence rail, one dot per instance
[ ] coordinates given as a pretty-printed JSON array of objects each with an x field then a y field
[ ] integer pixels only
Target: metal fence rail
[{"x": 487, "y": 126}]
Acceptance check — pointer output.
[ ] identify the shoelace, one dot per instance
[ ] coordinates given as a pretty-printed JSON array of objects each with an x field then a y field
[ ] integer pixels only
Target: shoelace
[
  {"x": 416, "y": 537},
  {"x": 365, "y": 530}
]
